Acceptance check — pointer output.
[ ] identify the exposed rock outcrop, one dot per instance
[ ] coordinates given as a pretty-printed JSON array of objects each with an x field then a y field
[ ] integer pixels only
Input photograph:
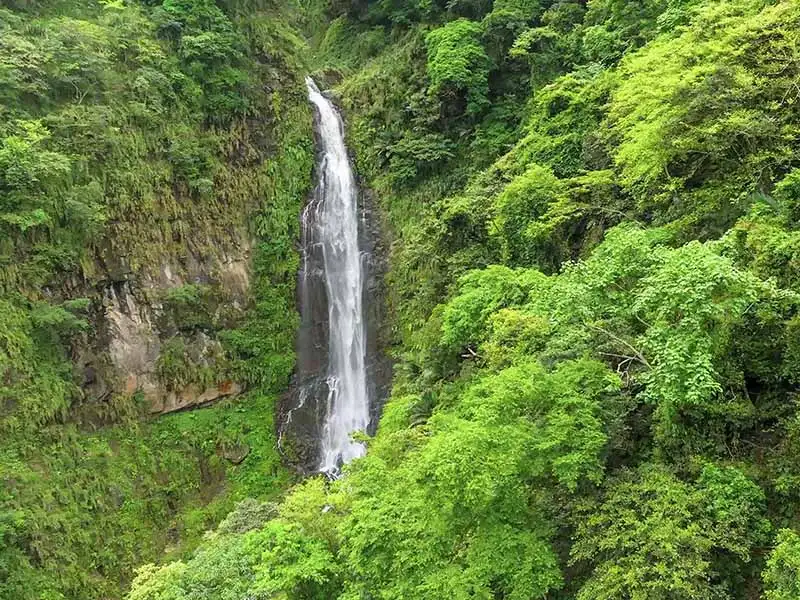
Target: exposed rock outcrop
[{"x": 140, "y": 316}]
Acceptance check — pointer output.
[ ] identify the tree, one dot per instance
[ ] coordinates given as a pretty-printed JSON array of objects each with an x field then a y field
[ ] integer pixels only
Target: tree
[
  {"x": 458, "y": 67},
  {"x": 782, "y": 575},
  {"x": 655, "y": 537}
]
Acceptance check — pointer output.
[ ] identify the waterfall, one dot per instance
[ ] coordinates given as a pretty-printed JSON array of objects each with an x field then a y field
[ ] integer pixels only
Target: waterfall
[{"x": 331, "y": 221}]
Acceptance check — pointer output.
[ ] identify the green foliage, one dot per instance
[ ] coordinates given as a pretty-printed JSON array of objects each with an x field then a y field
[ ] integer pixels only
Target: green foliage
[
  {"x": 211, "y": 53},
  {"x": 264, "y": 559},
  {"x": 483, "y": 293},
  {"x": 593, "y": 288},
  {"x": 262, "y": 347},
  {"x": 43, "y": 216},
  {"x": 176, "y": 368},
  {"x": 710, "y": 103},
  {"x": 665, "y": 317},
  {"x": 613, "y": 27},
  {"x": 138, "y": 487},
  {"x": 552, "y": 44},
  {"x": 782, "y": 576},
  {"x": 657, "y": 537},
  {"x": 521, "y": 203},
  {"x": 137, "y": 137},
  {"x": 349, "y": 46},
  {"x": 36, "y": 386},
  {"x": 691, "y": 304},
  {"x": 415, "y": 154},
  {"x": 191, "y": 306},
  {"x": 458, "y": 64},
  {"x": 563, "y": 128},
  {"x": 488, "y": 532}
]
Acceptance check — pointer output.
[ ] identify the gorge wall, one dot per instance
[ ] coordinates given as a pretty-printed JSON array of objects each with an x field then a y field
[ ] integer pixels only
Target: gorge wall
[
  {"x": 138, "y": 321},
  {"x": 154, "y": 158}
]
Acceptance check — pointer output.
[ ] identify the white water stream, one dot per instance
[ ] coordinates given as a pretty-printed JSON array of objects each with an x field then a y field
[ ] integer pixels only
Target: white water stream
[{"x": 335, "y": 215}]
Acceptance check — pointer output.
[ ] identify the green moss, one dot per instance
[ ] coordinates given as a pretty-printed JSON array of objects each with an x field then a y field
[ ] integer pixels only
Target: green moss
[
  {"x": 176, "y": 368},
  {"x": 191, "y": 306},
  {"x": 91, "y": 506}
]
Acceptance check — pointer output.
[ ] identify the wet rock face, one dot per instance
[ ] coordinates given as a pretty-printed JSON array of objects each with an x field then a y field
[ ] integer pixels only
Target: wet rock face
[
  {"x": 192, "y": 395},
  {"x": 236, "y": 453},
  {"x": 379, "y": 364},
  {"x": 133, "y": 341},
  {"x": 302, "y": 410}
]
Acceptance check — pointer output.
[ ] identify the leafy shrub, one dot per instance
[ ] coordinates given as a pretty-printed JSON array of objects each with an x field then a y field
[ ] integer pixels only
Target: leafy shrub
[
  {"x": 782, "y": 575},
  {"x": 458, "y": 66},
  {"x": 658, "y": 537}
]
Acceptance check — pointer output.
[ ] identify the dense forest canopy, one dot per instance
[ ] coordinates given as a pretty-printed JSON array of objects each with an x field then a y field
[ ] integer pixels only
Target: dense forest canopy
[{"x": 592, "y": 208}]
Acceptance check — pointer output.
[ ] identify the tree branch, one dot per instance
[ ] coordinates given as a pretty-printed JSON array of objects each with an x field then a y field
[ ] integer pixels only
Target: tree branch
[{"x": 636, "y": 354}]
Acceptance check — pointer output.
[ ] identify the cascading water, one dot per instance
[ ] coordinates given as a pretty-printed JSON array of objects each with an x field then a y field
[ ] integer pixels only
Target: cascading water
[{"x": 333, "y": 219}]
